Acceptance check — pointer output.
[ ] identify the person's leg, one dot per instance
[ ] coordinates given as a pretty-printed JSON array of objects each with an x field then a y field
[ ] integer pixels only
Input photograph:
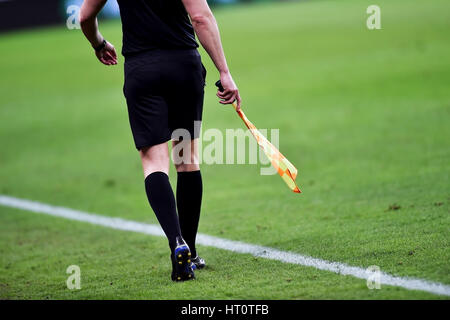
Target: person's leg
[
  {"x": 155, "y": 162},
  {"x": 146, "y": 91},
  {"x": 185, "y": 115},
  {"x": 189, "y": 193}
]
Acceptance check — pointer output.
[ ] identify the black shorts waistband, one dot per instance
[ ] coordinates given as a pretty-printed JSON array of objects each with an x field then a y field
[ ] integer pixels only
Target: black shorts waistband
[{"x": 170, "y": 53}]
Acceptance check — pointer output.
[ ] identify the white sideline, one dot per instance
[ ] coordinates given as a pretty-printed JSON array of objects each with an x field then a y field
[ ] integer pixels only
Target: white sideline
[{"x": 230, "y": 245}]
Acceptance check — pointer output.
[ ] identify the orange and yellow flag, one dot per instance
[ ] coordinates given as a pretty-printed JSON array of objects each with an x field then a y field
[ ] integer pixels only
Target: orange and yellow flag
[{"x": 285, "y": 169}]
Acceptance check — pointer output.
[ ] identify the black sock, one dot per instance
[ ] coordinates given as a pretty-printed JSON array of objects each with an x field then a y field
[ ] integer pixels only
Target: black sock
[
  {"x": 161, "y": 199},
  {"x": 189, "y": 201}
]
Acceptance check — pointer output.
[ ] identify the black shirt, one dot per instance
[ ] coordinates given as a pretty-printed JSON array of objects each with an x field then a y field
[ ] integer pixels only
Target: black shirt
[{"x": 155, "y": 24}]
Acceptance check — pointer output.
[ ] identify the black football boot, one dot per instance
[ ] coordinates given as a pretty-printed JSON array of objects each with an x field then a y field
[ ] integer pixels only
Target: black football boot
[
  {"x": 181, "y": 262},
  {"x": 198, "y": 263}
]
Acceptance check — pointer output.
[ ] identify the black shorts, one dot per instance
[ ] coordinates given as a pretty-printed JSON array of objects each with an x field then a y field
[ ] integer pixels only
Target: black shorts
[{"x": 164, "y": 90}]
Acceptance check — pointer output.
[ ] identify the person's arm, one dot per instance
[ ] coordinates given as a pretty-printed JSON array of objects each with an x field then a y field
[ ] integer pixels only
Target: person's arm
[
  {"x": 207, "y": 31},
  {"x": 105, "y": 51}
]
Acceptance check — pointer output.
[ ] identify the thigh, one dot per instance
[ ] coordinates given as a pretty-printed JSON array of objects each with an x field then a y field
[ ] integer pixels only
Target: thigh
[
  {"x": 186, "y": 100},
  {"x": 148, "y": 117},
  {"x": 146, "y": 102}
]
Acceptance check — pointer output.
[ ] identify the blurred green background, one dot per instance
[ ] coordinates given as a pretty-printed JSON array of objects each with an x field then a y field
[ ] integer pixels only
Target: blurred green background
[{"x": 363, "y": 114}]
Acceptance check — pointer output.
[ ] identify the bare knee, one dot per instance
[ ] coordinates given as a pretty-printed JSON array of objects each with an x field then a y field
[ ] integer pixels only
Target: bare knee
[
  {"x": 187, "y": 167},
  {"x": 187, "y": 163},
  {"x": 155, "y": 158},
  {"x": 185, "y": 156}
]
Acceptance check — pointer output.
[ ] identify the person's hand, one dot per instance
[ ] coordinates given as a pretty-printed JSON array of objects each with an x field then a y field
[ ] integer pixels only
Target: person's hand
[
  {"x": 107, "y": 55},
  {"x": 230, "y": 93}
]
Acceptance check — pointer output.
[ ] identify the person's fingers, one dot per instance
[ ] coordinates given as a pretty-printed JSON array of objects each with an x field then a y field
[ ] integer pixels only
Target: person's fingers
[
  {"x": 226, "y": 92},
  {"x": 239, "y": 101},
  {"x": 110, "y": 58},
  {"x": 106, "y": 57},
  {"x": 103, "y": 60},
  {"x": 230, "y": 100},
  {"x": 226, "y": 96},
  {"x": 112, "y": 55},
  {"x": 113, "y": 52},
  {"x": 111, "y": 61},
  {"x": 226, "y": 102},
  {"x": 229, "y": 92}
]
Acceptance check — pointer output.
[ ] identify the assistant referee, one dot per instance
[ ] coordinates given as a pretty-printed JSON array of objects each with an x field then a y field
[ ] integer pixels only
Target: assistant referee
[{"x": 164, "y": 88}]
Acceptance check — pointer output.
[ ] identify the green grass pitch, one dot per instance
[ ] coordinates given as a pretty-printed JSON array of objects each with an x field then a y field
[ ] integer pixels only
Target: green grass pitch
[{"x": 364, "y": 115}]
